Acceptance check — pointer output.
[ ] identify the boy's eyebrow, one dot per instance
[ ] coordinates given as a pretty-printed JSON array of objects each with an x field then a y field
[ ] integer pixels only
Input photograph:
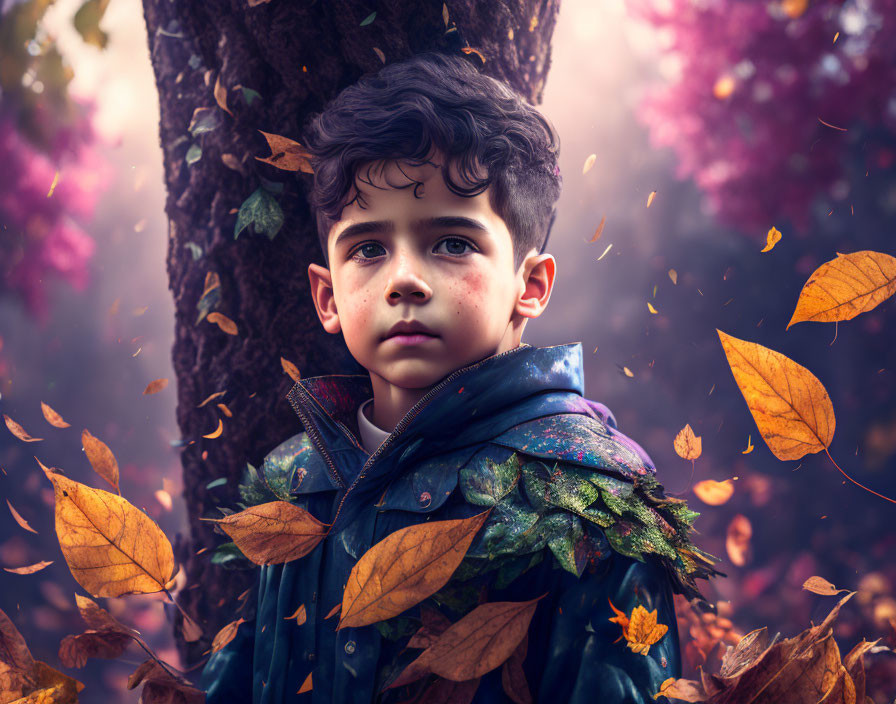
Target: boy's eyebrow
[{"x": 387, "y": 226}]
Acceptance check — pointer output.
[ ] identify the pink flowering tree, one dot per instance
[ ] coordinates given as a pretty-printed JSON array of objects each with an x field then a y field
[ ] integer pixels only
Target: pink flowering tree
[
  {"x": 52, "y": 171},
  {"x": 752, "y": 85}
]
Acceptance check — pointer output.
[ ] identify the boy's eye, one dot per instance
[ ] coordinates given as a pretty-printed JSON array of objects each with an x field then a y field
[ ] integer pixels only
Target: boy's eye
[{"x": 368, "y": 250}]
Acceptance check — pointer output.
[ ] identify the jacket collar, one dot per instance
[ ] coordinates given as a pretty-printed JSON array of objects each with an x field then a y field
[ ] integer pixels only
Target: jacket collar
[{"x": 502, "y": 390}]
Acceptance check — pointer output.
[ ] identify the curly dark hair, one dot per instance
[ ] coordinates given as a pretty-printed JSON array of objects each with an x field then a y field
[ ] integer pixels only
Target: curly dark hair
[{"x": 434, "y": 100}]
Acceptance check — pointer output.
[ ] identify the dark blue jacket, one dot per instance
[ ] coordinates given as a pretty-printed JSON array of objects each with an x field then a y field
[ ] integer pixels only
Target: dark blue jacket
[{"x": 630, "y": 546}]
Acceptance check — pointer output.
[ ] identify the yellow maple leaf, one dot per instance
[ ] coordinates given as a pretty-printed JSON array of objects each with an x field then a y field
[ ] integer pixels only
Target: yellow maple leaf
[{"x": 640, "y": 629}]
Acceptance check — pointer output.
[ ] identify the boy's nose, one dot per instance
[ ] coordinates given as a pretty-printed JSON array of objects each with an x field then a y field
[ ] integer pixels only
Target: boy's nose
[{"x": 406, "y": 280}]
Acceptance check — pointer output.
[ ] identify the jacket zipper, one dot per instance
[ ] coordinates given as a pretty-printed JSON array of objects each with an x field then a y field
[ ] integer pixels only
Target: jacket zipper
[
  {"x": 410, "y": 415},
  {"x": 314, "y": 434}
]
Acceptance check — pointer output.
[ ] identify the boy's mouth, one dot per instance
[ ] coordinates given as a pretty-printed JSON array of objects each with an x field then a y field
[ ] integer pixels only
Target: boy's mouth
[{"x": 409, "y": 329}]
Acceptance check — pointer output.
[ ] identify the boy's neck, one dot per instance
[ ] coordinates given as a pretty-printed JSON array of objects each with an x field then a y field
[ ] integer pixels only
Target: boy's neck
[{"x": 391, "y": 403}]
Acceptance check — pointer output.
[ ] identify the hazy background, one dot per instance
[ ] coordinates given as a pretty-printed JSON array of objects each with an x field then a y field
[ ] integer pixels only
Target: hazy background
[{"x": 77, "y": 348}]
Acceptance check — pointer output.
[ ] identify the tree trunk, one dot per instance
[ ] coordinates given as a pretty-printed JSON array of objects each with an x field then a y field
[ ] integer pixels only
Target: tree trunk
[{"x": 296, "y": 57}]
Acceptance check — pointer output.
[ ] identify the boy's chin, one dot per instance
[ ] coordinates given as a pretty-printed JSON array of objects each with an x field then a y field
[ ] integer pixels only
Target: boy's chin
[{"x": 415, "y": 375}]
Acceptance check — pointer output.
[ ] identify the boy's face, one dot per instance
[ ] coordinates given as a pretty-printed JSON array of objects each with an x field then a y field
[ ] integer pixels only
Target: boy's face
[{"x": 388, "y": 264}]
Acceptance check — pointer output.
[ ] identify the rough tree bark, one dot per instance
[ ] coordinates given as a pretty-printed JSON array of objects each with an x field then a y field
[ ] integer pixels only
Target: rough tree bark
[{"x": 296, "y": 56}]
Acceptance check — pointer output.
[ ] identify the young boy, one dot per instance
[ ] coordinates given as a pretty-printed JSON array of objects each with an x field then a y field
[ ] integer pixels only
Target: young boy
[{"x": 434, "y": 191}]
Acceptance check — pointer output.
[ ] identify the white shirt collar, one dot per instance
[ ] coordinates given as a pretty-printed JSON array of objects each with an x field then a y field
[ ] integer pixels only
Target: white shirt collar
[{"x": 371, "y": 436}]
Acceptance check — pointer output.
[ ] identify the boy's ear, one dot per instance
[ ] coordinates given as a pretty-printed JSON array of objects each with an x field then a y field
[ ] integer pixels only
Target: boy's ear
[
  {"x": 539, "y": 271},
  {"x": 324, "y": 300}
]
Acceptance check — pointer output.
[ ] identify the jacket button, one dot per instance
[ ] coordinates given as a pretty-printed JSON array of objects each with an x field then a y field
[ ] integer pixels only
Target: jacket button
[
  {"x": 425, "y": 499},
  {"x": 311, "y": 656},
  {"x": 350, "y": 647}
]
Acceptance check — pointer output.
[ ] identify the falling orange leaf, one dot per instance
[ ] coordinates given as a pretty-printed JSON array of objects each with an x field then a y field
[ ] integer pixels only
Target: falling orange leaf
[
  {"x": 216, "y": 433},
  {"x": 223, "y": 322},
  {"x": 737, "y": 541},
  {"x": 687, "y": 445},
  {"x": 380, "y": 54},
  {"x": 52, "y": 417},
  {"x": 833, "y": 127},
  {"x": 300, "y": 615},
  {"x": 111, "y": 547},
  {"x": 643, "y": 630},
  {"x": 599, "y": 231},
  {"x": 53, "y": 185},
  {"x": 609, "y": 246},
  {"x": 18, "y": 430},
  {"x": 306, "y": 685},
  {"x": 286, "y": 154},
  {"x": 819, "y": 585},
  {"x": 101, "y": 458},
  {"x": 225, "y": 635},
  {"x": 651, "y": 308},
  {"x": 18, "y": 518},
  {"x": 750, "y": 447},
  {"x": 714, "y": 493},
  {"x": 845, "y": 287},
  {"x": 790, "y": 405},
  {"x": 674, "y": 276},
  {"x": 290, "y": 369},
  {"x": 29, "y": 569},
  {"x": 273, "y": 532},
  {"x": 650, "y": 198},
  {"x": 155, "y": 386},
  {"x": 470, "y": 50},
  {"x": 225, "y": 410},
  {"x": 771, "y": 239},
  {"x": 405, "y": 568},
  {"x": 212, "y": 397},
  {"x": 589, "y": 162},
  {"x": 628, "y": 372}
]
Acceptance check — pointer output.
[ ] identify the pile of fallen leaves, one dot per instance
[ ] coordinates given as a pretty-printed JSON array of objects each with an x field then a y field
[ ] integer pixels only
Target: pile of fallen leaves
[{"x": 805, "y": 669}]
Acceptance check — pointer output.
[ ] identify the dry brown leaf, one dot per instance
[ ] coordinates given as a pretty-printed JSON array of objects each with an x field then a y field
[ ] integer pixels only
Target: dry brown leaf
[
  {"x": 845, "y": 287},
  {"x": 854, "y": 662},
  {"x": 306, "y": 685},
  {"x": 434, "y": 625},
  {"x": 16, "y": 662},
  {"x": 290, "y": 369},
  {"x": 790, "y": 405},
  {"x": 155, "y": 386},
  {"x": 650, "y": 198},
  {"x": 159, "y": 687},
  {"x": 216, "y": 433},
  {"x": 29, "y": 569},
  {"x": 50, "y": 687},
  {"x": 513, "y": 677},
  {"x": 300, "y": 615},
  {"x": 225, "y": 410},
  {"x": 287, "y": 154},
  {"x": 673, "y": 275},
  {"x": 482, "y": 640},
  {"x": 223, "y": 322},
  {"x": 101, "y": 458},
  {"x": 685, "y": 690},
  {"x": 771, "y": 239},
  {"x": 737, "y": 541},
  {"x": 220, "y": 93},
  {"x": 76, "y": 650},
  {"x": 226, "y": 634},
  {"x": 819, "y": 585},
  {"x": 52, "y": 417},
  {"x": 111, "y": 547},
  {"x": 18, "y": 430},
  {"x": 380, "y": 54},
  {"x": 274, "y": 532},
  {"x": 405, "y": 568},
  {"x": 687, "y": 445},
  {"x": 714, "y": 493},
  {"x": 18, "y": 518}
]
